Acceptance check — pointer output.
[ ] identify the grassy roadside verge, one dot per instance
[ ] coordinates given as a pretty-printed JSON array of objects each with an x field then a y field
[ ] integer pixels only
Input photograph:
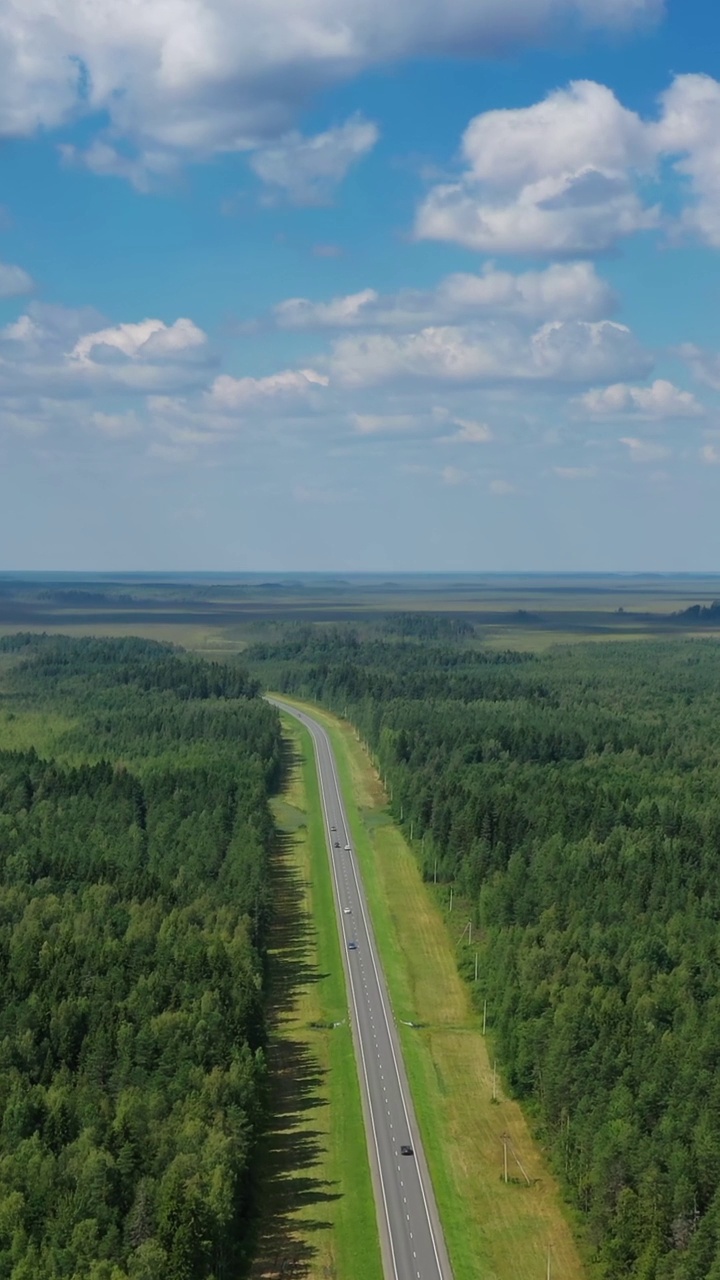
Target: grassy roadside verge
[
  {"x": 495, "y": 1230},
  {"x": 318, "y": 1217}
]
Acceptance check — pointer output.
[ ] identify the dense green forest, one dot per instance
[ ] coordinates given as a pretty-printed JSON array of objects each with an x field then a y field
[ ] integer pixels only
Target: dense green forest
[
  {"x": 700, "y": 613},
  {"x": 573, "y": 798},
  {"x": 133, "y": 911}
]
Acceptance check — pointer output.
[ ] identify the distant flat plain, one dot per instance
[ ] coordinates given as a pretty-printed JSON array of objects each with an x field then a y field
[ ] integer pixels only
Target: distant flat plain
[{"x": 218, "y": 613}]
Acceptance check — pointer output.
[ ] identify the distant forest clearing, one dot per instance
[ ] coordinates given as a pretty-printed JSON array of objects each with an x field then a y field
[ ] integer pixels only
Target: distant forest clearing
[{"x": 225, "y": 612}]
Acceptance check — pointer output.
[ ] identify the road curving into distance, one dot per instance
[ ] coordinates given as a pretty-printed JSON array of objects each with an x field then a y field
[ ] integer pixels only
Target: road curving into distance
[{"x": 413, "y": 1246}]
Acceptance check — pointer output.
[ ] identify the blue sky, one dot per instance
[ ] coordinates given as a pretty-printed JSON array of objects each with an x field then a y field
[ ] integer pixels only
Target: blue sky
[{"x": 352, "y": 285}]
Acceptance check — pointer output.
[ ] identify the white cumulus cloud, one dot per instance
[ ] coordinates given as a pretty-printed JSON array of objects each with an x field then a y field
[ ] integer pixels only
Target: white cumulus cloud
[
  {"x": 232, "y": 405},
  {"x": 563, "y": 352},
  {"x": 191, "y": 78},
  {"x": 562, "y": 291},
  {"x": 567, "y": 175},
  {"x": 229, "y": 394},
  {"x": 307, "y": 169},
  {"x": 59, "y": 351},
  {"x": 150, "y": 340},
  {"x": 338, "y": 313},
  {"x": 689, "y": 129},
  {"x": 108, "y": 161},
  {"x": 43, "y": 328},
  {"x": 662, "y": 399},
  {"x": 556, "y": 177}
]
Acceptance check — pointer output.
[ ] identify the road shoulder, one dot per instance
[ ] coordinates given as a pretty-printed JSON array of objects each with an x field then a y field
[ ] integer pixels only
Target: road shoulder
[
  {"x": 318, "y": 1214},
  {"x": 497, "y": 1230}
]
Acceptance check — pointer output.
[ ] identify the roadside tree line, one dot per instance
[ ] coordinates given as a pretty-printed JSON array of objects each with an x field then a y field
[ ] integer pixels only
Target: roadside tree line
[{"x": 573, "y": 798}]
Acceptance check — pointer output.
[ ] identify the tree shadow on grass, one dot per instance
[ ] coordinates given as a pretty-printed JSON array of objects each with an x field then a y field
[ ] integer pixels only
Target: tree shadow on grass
[{"x": 292, "y": 1147}]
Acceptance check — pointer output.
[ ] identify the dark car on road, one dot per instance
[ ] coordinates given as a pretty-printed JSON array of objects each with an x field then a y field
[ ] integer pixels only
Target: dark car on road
[
  {"x": 405, "y": 1150},
  {"x": 352, "y": 946}
]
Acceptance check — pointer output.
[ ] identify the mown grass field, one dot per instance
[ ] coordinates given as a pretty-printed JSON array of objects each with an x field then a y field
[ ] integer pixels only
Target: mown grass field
[
  {"x": 494, "y": 1230},
  {"x": 318, "y": 1214}
]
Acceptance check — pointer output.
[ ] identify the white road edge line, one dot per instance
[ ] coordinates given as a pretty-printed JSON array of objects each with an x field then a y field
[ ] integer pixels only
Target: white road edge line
[
  {"x": 349, "y": 967},
  {"x": 382, "y": 997}
]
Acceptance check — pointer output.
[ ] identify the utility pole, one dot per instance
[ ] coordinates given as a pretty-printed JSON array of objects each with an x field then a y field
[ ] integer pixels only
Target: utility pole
[
  {"x": 505, "y": 1142},
  {"x": 470, "y": 933},
  {"x": 494, "y": 1081},
  {"x": 476, "y": 977},
  {"x": 435, "y": 871},
  {"x": 451, "y": 897},
  {"x": 484, "y": 1001},
  {"x": 411, "y": 830},
  {"x": 548, "y": 1263}
]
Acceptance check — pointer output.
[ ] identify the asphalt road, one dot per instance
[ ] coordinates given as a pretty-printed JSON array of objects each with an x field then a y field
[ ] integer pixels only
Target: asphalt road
[{"x": 411, "y": 1237}]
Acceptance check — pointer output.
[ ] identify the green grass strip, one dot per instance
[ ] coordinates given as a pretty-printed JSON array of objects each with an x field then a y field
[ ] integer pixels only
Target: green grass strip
[
  {"x": 493, "y": 1230},
  {"x": 319, "y": 1212}
]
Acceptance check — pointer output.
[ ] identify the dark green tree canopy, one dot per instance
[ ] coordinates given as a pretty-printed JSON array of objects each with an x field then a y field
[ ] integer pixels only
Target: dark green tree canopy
[
  {"x": 133, "y": 913},
  {"x": 573, "y": 798}
]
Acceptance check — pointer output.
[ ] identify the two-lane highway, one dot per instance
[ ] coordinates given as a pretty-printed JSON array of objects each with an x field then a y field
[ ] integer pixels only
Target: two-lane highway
[{"x": 412, "y": 1240}]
